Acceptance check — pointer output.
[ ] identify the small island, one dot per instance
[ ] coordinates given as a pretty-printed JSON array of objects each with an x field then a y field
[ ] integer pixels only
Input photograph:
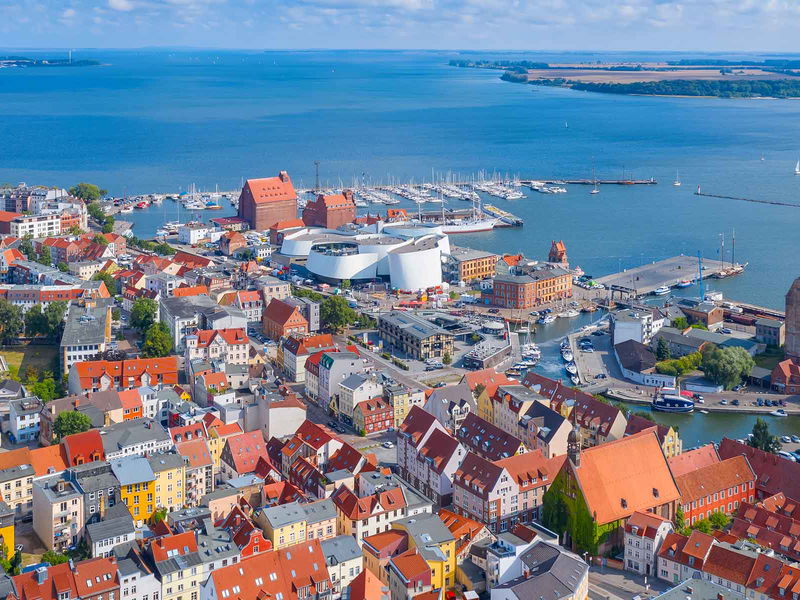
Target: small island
[
  {"x": 687, "y": 77},
  {"x": 10, "y": 62}
]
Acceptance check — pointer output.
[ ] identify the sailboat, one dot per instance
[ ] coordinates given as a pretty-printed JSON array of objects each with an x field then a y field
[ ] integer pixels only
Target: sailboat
[
  {"x": 677, "y": 181},
  {"x": 797, "y": 168},
  {"x": 595, "y": 189}
]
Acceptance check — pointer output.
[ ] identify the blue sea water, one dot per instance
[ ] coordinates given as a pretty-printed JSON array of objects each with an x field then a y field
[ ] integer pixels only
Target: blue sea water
[{"x": 158, "y": 121}]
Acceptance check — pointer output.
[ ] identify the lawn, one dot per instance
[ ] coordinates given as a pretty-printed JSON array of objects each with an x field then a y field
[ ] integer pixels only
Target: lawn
[
  {"x": 769, "y": 359},
  {"x": 41, "y": 358}
]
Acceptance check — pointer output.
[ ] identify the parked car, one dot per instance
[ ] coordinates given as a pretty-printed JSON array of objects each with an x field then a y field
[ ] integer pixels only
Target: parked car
[
  {"x": 760, "y": 401},
  {"x": 735, "y": 402},
  {"x": 787, "y": 455},
  {"x": 796, "y": 439},
  {"x": 494, "y": 311},
  {"x": 724, "y": 402},
  {"x": 387, "y": 445},
  {"x": 601, "y": 376},
  {"x": 726, "y": 330},
  {"x": 786, "y": 439}
]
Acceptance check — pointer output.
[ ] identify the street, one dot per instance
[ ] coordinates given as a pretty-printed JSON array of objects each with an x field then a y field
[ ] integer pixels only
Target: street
[{"x": 613, "y": 584}]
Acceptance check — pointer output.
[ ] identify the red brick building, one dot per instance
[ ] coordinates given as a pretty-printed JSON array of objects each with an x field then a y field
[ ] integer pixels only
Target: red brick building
[
  {"x": 558, "y": 252},
  {"x": 231, "y": 241},
  {"x": 373, "y": 416},
  {"x": 281, "y": 319},
  {"x": 785, "y": 377},
  {"x": 266, "y": 201},
  {"x": 719, "y": 487},
  {"x": 330, "y": 211}
]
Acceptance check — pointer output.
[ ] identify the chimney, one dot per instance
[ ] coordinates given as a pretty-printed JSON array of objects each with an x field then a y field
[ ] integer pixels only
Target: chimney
[{"x": 720, "y": 596}]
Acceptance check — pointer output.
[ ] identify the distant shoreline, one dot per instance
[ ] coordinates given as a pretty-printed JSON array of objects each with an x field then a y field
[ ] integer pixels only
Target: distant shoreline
[
  {"x": 24, "y": 62},
  {"x": 686, "y": 79}
]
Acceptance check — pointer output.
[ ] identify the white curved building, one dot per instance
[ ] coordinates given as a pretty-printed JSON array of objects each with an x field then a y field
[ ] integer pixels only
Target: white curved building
[{"x": 409, "y": 257}]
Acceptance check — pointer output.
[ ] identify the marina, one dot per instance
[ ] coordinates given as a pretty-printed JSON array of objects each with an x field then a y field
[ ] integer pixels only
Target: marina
[{"x": 654, "y": 277}]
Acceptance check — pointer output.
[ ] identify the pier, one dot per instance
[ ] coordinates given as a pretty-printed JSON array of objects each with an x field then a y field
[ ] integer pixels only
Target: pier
[
  {"x": 755, "y": 200},
  {"x": 640, "y": 281}
]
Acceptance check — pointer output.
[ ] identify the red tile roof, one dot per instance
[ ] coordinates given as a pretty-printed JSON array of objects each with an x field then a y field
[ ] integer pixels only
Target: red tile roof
[
  {"x": 774, "y": 473},
  {"x": 644, "y": 524},
  {"x": 179, "y": 544},
  {"x": 278, "y": 573},
  {"x": 96, "y": 576},
  {"x": 693, "y": 460},
  {"x": 713, "y": 478},
  {"x": 487, "y": 440},
  {"x": 620, "y": 477},
  {"x": 477, "y": 474},
  {"x": 438, "y": 449},
  {"x": 532, "y": 470},
  {"x": 80, "y": 447},
  {"x": 488, "y": 378},
  {"x": 356, "y": 508},
  {"x": 49, "y": 459},
  {"x": 245, "y": 449},
  {"x": 196, "y": 452},
  {"x": 271, "y": 189},
  {"x": 279, "y": 312},
  {"x": 232, "y": 337},
  {"x": 417, "y": 424}
]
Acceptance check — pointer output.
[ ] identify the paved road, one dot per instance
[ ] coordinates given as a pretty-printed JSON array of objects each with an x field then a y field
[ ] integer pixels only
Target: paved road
[{"x": 613, "y": 584}]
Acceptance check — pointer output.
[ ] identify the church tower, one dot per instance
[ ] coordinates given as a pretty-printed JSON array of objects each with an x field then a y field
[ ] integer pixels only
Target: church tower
[{"x": 793, "y": 321}]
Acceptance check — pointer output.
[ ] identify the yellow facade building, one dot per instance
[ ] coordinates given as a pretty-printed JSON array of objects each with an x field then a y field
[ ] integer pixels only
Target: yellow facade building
[
  {"x": 137, "y": 486},
  {"x": 434, "y": 542},
  {"x": 170, "y": 473}
]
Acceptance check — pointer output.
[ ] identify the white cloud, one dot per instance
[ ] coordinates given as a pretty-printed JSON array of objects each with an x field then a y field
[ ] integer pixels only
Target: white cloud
[{"x": 121, "y": 5}]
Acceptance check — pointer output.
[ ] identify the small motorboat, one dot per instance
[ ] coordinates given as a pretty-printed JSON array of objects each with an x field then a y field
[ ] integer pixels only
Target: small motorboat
[
  {"x": 779, "y": 413},
  {"x": 684, "y": 283},
  {"x": 567, "y": 356},
  {"x": 661, "y": 291},
  {"x": 571, "y": 369},
  {"x": 575, "y": 379}
]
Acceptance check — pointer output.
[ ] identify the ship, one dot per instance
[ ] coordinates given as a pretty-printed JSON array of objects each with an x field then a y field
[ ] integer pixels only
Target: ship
[
  {"x": 469, "y": 225},
  {"x": 661, "y": 291},
  {"x": 672, "y": 403}
]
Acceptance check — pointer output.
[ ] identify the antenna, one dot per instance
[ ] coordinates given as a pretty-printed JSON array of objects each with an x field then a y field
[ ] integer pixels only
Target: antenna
[{"x": 316, "y": 164}]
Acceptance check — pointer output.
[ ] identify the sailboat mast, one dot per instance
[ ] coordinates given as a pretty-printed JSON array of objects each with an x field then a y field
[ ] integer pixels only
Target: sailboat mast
[{"x": 733, "y": 248}]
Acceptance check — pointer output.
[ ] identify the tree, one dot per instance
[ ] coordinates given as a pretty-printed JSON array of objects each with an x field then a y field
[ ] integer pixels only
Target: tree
[
  {"x": 727, "y": 366},
  {"x": 54, "y": 558},
  {"x": 662, "y": 349},
  {"x": 703, "y": 525},
  {"x": 680, "y": 323},
  {"x": 54, "y": 313},
  {"x": 108, "y": 226},
  {"x": 11, "y": 321},
  {"x": 26, "y": 247},
  {"x": 164, "y": 249},
  {"x": 479, "y": 389},
  {"x": 62, "y": 266},
  {"x": 45, "y": 257},
  {"x": 75, "y": 230},
  {"x": 336, "y": 314},
  {"x": 116, "y": 314},
  {"x": 157, "y": 341},
  {"x": 100, "y": 239},
  {"x": 763, "y": 439},
  {"x": 159, "y": 515},
  {"x": 699, "y": 326},
  {"x": 719, "y": 520},
  {"x": 44, "y": 389},
  {"x": 69, "y": 422},
  {"x": 111, "y": 354},
  {"x": 447, "y": 359},
  {"x": 111, "y": 283},
  {"x": 345, "y": 285},
  {"x": 453, "y": 295},
  {"x": 35, "y": 321},
  {"x": 143, "y": 314},
  {"x": 680, "y": 518},
  {"x": 88, "y": 192}
]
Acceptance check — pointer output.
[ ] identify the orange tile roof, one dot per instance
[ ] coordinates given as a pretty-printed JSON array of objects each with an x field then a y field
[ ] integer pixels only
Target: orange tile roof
[
  {"x": 693, "y": 460},
  {"x": 13, "y": 458},
  {"x": 288, "y": 224},
  {"x": 411, "y": 565},
  {"x": 646, "y": 524},
  {"x": 81, "y": 446},
  {"x": 196, "y": 451},
  {"x": 49, "y": 459},
  {"x": 271, "y": 189},
  {"x": 355, "y": 508},
  {"x": 489, "y": 378},
  {"x": 387, "y": 543},
  {"x": 366, "y": 586},
  {"x": 190, "y": 290},
  {"x": 710, "y": 479},
  {"x": 179, "y": 544},
  {"x": 623, "y": 476},
  {"x": 130, "y": 399},
  {"x": 280, "y": 312},
  {"x": 532, "y": 469}
]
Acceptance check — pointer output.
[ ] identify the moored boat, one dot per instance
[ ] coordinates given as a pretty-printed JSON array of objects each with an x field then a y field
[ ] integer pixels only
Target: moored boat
[
  {"x": 779, "y": 413},
  {"x": 672, "y": 403},
  {"x": 684, "y": 283},
  {"x": 661, "y": 291}
]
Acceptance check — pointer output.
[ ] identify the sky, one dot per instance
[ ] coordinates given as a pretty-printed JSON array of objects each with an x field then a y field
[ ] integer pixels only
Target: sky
[{"x": 691, "y": 25}]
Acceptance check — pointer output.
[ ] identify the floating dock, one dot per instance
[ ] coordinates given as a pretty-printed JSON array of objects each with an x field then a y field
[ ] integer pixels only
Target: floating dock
[
  {"x": 506, "y": 218},
  {"x": 640, "y": 281}
]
